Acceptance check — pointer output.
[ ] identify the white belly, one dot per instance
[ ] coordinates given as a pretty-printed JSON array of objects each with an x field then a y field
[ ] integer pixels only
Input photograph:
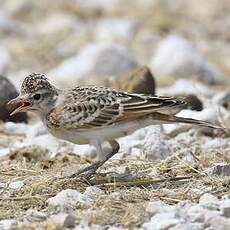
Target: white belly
[{"x": 105, "y": 133}]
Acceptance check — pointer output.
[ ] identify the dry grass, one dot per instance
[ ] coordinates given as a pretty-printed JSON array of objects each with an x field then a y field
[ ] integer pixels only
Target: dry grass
[{"x": 124, "y": 201}]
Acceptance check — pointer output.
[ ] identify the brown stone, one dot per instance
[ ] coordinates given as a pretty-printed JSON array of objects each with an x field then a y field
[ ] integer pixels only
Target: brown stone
[{"x": 140, "y": 80}]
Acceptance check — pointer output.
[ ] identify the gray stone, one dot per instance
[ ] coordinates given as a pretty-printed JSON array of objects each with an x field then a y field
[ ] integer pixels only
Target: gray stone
[
  {"x": 8, "y": 92},
  {"x": 225, "y": 207},
  {"x": 85, "y": 225},
  {"x": 2, "y": 185},
  {"x": 221, "y": 169},
  {"x": 185, "y": 86},
  {"x": 12, "y": 128},
  {"x": 97, "y": 60},
  {"x": 16, "y": 184},
  {"x": 154, "y": 207},
  {"x": 163, "y": 221},
  {"x": 195, "y": 214},
  {"x": 63, "y": 220},
  {"x": 35, "y": 215},
  {"x": 217, "y": 143},
  {"x": 189, "y": 226},
  {"x": 67, "y": 201},
  {"x": 115, "y": 29},
  {"x": 215, "y": 221},
  {"x": 222, "y": 99},
  {"x": 154, "y": 147},
  {"x": 176, "y": 57},
  {"x": 209, "y": 201},
  {"x": 93, "y": 192},
  {"x": 8, "y": 224}
]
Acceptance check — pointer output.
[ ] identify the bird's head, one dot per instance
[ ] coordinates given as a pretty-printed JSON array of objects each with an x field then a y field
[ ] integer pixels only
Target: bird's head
[{"x": 36, "y": 94}]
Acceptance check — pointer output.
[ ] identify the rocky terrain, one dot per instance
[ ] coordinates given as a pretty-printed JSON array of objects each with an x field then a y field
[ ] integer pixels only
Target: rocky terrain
[{"x": 173, "y": 177}]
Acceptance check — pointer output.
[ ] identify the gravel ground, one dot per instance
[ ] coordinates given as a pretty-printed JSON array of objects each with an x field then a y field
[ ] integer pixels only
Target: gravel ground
[{"x": 168, "y": 177}]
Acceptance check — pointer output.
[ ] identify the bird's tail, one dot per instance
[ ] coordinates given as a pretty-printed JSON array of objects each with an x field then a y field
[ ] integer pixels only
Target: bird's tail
[
  {"x": 175, "y": 119},
  {"x": 196, "y": 122}
]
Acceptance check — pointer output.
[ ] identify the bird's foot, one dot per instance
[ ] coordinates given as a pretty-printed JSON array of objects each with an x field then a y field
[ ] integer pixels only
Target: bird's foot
[
  {"x": 86, "y": 172},
  {"x": 89, "y": 171}
]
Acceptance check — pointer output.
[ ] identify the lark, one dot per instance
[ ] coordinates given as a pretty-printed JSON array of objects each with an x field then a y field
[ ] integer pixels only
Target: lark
[{"x": 94, "y": 115}]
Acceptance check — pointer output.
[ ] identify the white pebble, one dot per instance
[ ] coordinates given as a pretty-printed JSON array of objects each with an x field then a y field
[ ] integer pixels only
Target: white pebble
[
  {"x": 64, "y": 220},
  {"x": 16, "y": 184},
  {"x": 67, "y": 201}
]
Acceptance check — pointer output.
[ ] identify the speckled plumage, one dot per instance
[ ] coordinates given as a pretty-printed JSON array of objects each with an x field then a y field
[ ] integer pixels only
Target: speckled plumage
[
  {"x": 92, "y": 114},
  {"x": 34, "y": 82},
  {"x": 92, "y": 107}
]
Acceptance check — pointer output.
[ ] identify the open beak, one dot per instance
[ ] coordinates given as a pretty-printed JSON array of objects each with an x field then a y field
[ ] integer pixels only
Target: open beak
[{"x": 21, "y": 103}]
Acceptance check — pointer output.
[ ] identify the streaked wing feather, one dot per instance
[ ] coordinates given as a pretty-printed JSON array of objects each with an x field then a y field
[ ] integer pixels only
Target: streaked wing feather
[{"x": 95, "y": 107}]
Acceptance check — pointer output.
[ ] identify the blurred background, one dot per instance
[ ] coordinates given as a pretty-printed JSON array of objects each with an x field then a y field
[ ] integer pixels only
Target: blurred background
[
  {"x": 86, "y": 41},
  {"x": 163, "y": 47}
]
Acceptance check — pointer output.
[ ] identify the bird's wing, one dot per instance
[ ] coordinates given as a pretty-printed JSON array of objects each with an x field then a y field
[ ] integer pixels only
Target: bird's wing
[{"x": 94, "y": 107}]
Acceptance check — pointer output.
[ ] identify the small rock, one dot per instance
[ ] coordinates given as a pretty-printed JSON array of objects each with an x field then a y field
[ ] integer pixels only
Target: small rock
[
  {"x": 154, "y": 207},
  {"x": 225, "y": 208},
  {"x": 8, "y": 92},
  {"x": 121, "y": 173},
  {"x": 217, "y": 143},
  {"x": 52, "y": 144},
  {"x": 35, "y": 215},
  {"x": 93, "y": 192},
  {"x": 139, "y": 81},
  {"x": 16, "y": 184},
  {"x": 154, "y": 147},
  {"x": 85, "y": 150},
  {"x": 195, "y": 214},
  {"x": 4, "y": 152},
  {"x": 63, "y": 220},
  {"x": 193, "y": 103},
  {"x": 67, "y": 200},
  {"x": 221, "y": 170},
  {"x": 163, "y": 221},
  {"x": 215, "y": 221},
  {"x": 96, "y": 60},
  {"x": 176, "y": 57},
  {"x": 115, "y": 29},
  {"x": 186, "y": 87},
  {"x": 222, "y": 99},
  {"x": 209, "y": 201},
  {"x": 116, "y": 228},
  {"x": 3, "y": 185},
  {"x": 85, "y": 225},
  {"x": 12, "y": 128},
  {"x": 189, "y": 226},
  {"x": 8, "y": 224}
]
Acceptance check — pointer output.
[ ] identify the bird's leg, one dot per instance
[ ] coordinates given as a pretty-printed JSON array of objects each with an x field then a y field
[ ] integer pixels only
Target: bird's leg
[{"x": 94, "y": 167}]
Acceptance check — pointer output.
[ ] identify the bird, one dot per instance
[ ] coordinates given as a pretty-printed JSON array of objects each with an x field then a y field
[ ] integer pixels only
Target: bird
[{"x": 96, "y": 114}]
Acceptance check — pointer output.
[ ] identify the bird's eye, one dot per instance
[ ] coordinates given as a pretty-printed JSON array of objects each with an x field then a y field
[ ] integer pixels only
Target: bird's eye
[{"x": 37, "y": 96}]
